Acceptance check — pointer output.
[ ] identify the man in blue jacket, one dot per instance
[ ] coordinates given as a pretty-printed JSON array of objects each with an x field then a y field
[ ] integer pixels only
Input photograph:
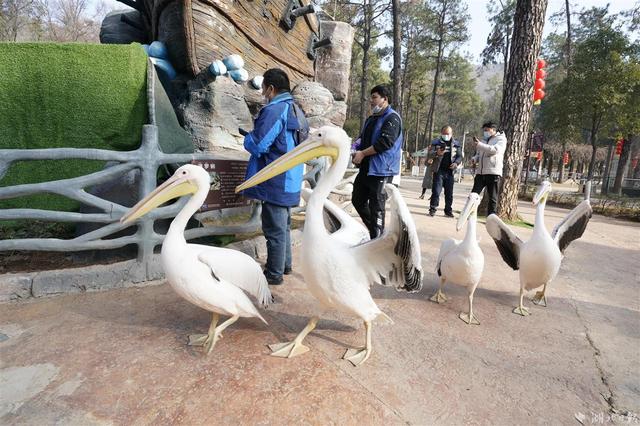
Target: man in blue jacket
[
  {"x": 378, "y": 158},
  {"x": 445, "y": 156},
  {"x": 275, "y": 133}
]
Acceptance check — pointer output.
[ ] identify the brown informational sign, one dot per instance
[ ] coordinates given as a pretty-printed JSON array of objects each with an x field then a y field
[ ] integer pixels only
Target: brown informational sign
[{"x": 225, "y": 176}]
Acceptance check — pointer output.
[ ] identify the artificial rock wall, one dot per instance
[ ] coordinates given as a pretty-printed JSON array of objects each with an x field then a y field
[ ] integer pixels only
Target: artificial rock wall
[{"x": 211, "y": 109}]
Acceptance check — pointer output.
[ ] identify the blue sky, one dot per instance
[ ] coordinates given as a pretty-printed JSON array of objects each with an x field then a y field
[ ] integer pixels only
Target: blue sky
[{"x": 479, "y": 27}]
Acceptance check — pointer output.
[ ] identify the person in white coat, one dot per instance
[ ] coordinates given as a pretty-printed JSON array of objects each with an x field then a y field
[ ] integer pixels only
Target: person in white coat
[{"x": 488, "y": 162}]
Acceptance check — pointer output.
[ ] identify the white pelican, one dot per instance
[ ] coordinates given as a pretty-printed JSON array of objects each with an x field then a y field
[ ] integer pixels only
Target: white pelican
[
  {"x": 212, "y": 278},
  {"x": 462, "y": 262},
  {"x": 539, "y": 258},
  {"x": 337, "y": 273}
]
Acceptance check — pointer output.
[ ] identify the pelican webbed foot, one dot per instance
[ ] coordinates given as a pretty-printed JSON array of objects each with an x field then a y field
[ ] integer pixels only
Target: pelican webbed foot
[
  {"x": 197, "y": 339},
  {"x": 521, "y": 310},
  {"x": 469, "y": 318},
  {"x": 201, "y": 339},
  {"x": 438, "y": 297},
  {"x": 295, "y": 347},
  {"x": 288, "y": 349},
  {"x": 357, "y": 356},
  {"x": 215, "y": 333},
  {"x": 540, "y": 299}
]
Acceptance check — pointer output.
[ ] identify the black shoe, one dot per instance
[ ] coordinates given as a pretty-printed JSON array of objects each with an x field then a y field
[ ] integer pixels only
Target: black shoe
[
  {"x": 274, "y": 281},
  {"x": 432, "y": 213},
  {"x": 287, "y": 271},
  {"x": 449, "y": 214}
]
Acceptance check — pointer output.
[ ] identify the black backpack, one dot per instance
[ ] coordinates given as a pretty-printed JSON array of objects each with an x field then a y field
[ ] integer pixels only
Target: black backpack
[{"x": 300, "y": 125}]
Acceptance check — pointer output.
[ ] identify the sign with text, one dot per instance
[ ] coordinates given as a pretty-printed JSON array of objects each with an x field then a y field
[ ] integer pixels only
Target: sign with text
[{"x": 225, "y": 175}]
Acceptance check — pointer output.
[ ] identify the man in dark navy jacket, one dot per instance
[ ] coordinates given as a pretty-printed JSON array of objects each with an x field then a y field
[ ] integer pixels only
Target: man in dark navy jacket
[
  {"x": 274, "y": 134},
  {"x": 378, "y": 157},
  {"x": 445, "y": 155}
]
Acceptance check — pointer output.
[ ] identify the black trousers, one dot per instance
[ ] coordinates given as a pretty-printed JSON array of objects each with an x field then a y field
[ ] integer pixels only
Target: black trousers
[
  {"x": 442, "y": 179},
  {"x": 491, "y": 183},
  {"x": 369, "y": 199}
]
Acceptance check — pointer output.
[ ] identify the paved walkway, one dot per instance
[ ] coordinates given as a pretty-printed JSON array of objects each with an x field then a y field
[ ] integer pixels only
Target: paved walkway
[{"x": 120, "y": 357}]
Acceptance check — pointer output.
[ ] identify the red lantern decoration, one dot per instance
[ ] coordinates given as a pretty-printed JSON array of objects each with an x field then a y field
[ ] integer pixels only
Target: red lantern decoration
[
  {"x": 539, "y": 155},
  {"x": 539, "y": 84},
  {"x": 565, "y": 158},
  {"x": 619, "y": 146}
]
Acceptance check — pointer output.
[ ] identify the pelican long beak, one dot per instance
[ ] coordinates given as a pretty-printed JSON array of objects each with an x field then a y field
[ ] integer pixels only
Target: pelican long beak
[
  {"x": 175, "y": 187},
  {"x": 302, "y": 153},
  {"x": 540, "y": 194},
  {"x": 468, "y": 209}
]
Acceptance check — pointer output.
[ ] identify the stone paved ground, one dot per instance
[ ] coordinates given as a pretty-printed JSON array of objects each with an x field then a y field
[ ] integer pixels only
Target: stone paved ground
[{"x": 119, "y": 357}]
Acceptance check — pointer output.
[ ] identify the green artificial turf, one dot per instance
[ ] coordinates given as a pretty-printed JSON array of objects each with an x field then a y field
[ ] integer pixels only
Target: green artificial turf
[{"x": 68, "y": 95}]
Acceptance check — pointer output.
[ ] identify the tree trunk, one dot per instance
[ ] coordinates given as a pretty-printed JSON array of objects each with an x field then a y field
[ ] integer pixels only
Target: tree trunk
[
  {"x": 568, "y": 12},
  {"x": 595, "y": 126},
  {"x": 436, "y": 79},
  {"x": 417, "y": 129},
  {"x": 607, "y": 172},
  {"x": 366, "y": 45},
  {"x": 505, "y": 57},
  {"x": 623, "y": 164},
  {"x": 515, "y": 109},
  {"x": 561, "y": 164},
  {"x": 397, "y": 54}
]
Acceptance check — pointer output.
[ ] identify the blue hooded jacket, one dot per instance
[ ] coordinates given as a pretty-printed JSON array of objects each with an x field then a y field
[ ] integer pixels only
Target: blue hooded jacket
[{"x": 273, "y": 136}]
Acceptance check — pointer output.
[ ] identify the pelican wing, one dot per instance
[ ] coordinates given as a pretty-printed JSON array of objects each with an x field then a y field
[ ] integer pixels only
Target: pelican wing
[
  {"x": 236, "y": 268},
  {"x": 445, "y": 249},
  {"x": 339, "y": 223},
  {"x": 393, "y": 258},
  {"x": 572, "y": 226},
  {"x": 507, "y": 242}
]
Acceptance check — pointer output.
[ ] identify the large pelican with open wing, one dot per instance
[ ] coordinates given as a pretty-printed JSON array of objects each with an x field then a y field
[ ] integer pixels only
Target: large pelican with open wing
[
  {"x": 539, "y": 258},
  {"x": 337, "y": 272},
  {"x": 212, "y": 278}
]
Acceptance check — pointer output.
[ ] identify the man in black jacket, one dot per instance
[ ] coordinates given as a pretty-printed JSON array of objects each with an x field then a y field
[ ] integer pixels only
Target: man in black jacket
[{"x": 378, "y": 157}]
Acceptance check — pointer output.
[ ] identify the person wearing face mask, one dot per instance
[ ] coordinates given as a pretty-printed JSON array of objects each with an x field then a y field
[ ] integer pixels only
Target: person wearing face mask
[
  {"x": 488, "y": 162},
  {"x": 276, "y": 131},
  {"x": 444, "y": 157},
  {"x": 377, "y": 155}
]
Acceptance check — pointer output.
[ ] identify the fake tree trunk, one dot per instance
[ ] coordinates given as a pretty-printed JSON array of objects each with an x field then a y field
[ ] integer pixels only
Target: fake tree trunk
[{"x": 517, "y": 98}]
